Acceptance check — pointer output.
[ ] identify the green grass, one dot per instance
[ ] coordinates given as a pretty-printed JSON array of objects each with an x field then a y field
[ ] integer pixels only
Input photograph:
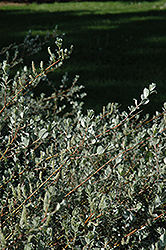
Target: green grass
[{"x": 119, "y": 47}]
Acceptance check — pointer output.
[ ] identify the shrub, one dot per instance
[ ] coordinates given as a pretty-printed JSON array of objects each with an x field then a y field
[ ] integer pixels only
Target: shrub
[{"x": 72, "y": 180}]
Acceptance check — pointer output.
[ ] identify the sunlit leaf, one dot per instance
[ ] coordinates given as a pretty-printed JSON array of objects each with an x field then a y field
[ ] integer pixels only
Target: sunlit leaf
[{"x": 100, "y": 150}]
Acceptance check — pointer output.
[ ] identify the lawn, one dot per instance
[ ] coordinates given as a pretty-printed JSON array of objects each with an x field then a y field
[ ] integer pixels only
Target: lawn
[{"x": 119, "y": 47}]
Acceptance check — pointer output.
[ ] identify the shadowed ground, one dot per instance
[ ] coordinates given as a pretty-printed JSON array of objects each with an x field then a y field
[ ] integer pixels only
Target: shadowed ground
[{"x": 116, "y": 54}]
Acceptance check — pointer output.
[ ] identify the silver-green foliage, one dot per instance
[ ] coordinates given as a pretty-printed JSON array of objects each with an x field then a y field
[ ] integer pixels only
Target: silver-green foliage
[{"x": 77, "y": 181}]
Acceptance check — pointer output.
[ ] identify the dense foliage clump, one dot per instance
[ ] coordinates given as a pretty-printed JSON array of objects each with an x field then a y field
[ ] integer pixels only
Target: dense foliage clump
[{"x": 71, "y": 180}]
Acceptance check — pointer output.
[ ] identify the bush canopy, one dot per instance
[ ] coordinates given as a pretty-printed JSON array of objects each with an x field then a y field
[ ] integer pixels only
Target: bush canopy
[{"x": 71, "y": 180}]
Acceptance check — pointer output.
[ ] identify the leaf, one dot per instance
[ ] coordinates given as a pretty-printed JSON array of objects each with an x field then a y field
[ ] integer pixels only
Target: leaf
[
  {"x": 28, "y": 247},
  {"x": 23, "y": 219},
  {"x": 118, "y": 159},
  {"x": 136, "y": 102},
  {"x": 165, "y": 160},
  {"x": 163, "y": 239},
  {"x": 152, "y": 86},
  {"x": 142, "y": 97},
  {"x": 100, "y": 150},
  {"x": 146, "y": 92},
  {"x": 2, "y": 238},
  {"x": 25, "y": 141},
  {"x": 157, "y": 201},
  {"x": 22, "y": 114},
  {"x": 12, "y": 120},
  {"x": 46, "y": 201},
  {"x": 43, "y": 133},
  {"x": 164, "y": 105},
  {"x": 102, "y": 204},
  {"x": 82, "y": 122},
  {"x": 120, "y": 169},
  {"x": 145, "y": 101},
  {"x": 58, "y": 206}
]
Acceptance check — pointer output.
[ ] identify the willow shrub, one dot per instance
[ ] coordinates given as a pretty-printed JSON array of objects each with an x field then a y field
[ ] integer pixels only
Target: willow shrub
[{"x": 71, "y": 180}]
